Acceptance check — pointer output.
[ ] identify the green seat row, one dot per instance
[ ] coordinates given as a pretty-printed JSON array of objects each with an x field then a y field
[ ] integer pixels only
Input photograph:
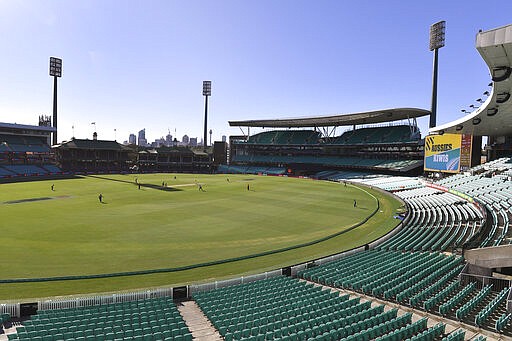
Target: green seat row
[
  {"x": 423, "y": 295},
  {"x": 502, "y": 321},
  {"x": 491, "y": 307},
  {"x": 446, "y": 307},
  {"x": 430, "y": 333},
  {"x": 406, "y": 331},
  {"x": 472, "y": 303},
  {"x": 457, "y": 335}
]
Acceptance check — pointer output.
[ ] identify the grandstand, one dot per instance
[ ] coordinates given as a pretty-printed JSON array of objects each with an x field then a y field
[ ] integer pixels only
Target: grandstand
[
  {"x": 378, "y": 145},
  {"x": 173, "y": 159},
  {"x": 25, "y": 151},
  {"x": 83, "y": 155}
]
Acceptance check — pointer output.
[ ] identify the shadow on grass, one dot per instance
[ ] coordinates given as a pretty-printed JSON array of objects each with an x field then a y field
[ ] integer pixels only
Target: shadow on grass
[
  {"x": 27, "y": 200},
  {"x": 20, "y": 201},
  {"x": 142, "y": 185},
  {"x": 35, "y": 178}
]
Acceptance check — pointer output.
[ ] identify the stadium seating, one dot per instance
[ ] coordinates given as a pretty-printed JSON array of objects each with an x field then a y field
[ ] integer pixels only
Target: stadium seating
[
  {"x": 285, "y": 137},
  {"x": 430, "y": 334},
  {"x": 435, "y": 299},
  {"x": 502, "y": 321},
  {"x": 224, "y": 169},
  {"x": 22, "y": 144},
  {"x": 155, "y": 319},
  {"x": 5, "y": 318},
  {"x": 488, "y": 184},
  {"x": 440, "y": 220},
  {"x": 392, "y": 275},
  {"x": 457, "y": 335},
  {"x": 376, "y": 135},
  {"x": 52, "y": 169},
  {"x": 285, "y": 308},
  {"x": 472, "y": 303},
  {"x": 385, "y": 182},
  {"x": 358, "y": 162},
  {"x": 25, "y": 169},
  {"x": 491, "y": 307},
  {"x": 446, "y": 307},
  {"x": 6, "y": 173}
]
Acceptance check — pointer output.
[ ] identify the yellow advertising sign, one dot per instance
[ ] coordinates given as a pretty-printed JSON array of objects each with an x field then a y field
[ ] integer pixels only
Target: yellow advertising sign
[{"x": 442, "y": 153}]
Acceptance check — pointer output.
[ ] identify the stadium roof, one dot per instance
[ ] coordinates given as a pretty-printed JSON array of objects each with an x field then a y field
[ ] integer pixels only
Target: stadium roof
[
  {"x": 91, "y": 144},
  {"x": 26, "y": 127},
  {"x": 494, "y": 116},
  {"x": 377, "y": 116}
]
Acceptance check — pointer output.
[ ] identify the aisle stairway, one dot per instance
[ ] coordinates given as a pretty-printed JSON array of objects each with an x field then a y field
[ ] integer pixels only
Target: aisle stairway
[{"x": 197, "y": 322}]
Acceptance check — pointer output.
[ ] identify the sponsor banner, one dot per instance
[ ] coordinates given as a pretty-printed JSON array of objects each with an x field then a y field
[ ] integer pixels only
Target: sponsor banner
[
  {"x": 465, "y": 152},
  {"x": 442, "y": 153},
  {"x": 452, "y": 191},
  {"x": 462, "y": 195},
  {"x": 436, "y": 186}
]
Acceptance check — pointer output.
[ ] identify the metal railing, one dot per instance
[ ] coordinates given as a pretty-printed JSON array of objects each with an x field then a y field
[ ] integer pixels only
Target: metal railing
[
  {"x": 235, "y": 281},
  {"x": 87, "y": 301},
  {"x": 12, "y": 309},
  {"x": 498, "y": 284}
]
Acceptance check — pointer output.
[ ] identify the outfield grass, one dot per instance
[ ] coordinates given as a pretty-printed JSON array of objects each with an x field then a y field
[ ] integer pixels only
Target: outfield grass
[{"x": 68, "y": 232}]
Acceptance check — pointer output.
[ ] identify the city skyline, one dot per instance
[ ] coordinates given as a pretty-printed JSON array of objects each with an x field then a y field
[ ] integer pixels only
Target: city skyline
[
  {"x": 132, "y": 65},
  {"x": 167, "y": 140}
]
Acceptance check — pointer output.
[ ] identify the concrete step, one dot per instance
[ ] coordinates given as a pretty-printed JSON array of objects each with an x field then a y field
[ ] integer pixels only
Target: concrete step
[{"x": 199, "y": 325}]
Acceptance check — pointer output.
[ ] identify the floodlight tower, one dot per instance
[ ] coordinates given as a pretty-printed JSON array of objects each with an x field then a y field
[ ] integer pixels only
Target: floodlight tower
[
  {"x": 56, "y": 72},
  {"x": 437, "y": 35},
  {"x": 207, "y": 91}
]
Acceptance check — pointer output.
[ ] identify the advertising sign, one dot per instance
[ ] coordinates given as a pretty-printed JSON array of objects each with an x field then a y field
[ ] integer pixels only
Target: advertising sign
[{"x": 442, "y": 153}]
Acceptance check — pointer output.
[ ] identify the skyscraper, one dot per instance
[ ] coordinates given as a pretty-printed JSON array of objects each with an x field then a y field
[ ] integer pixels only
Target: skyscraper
[
  {"x": 142, "y": 138},
  {"x": 185, "y": 139},
  {"x": 132, "y": 139}
]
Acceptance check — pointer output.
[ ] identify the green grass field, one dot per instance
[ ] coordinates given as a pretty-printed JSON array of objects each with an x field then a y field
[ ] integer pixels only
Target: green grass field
[{"x": 68, "y": 232}]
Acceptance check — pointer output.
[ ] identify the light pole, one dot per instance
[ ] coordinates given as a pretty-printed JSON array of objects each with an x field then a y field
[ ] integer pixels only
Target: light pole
[
  {"x": 207, "y": 91},
  {"x": 437, "y": 35},
  {"x": 56, "y": 72}
]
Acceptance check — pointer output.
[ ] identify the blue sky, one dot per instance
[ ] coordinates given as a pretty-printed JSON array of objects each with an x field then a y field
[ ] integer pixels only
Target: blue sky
[{"x": 129, "y": 65}]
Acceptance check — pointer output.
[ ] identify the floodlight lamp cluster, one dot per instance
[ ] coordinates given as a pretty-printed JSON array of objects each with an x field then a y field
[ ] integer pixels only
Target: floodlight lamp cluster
[
  {"x": 207, "y": 88},
  {"x": 437, "y": 35},
  {"x": 55, "y": 67}
]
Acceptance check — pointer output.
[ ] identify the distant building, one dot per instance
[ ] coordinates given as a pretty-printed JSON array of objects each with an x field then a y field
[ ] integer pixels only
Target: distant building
[
  {"x": 223, "y": 138},
  {"x": 168, "y": 140},
  {"x": 143, "y": 142},
  {"x": 132, "y": 139},
  {"x": 185, "y": 139},
  {"x": 158, "y": 143},
  {"x": 192, "y": 141},
  {"x": 142, "y": 138}
]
